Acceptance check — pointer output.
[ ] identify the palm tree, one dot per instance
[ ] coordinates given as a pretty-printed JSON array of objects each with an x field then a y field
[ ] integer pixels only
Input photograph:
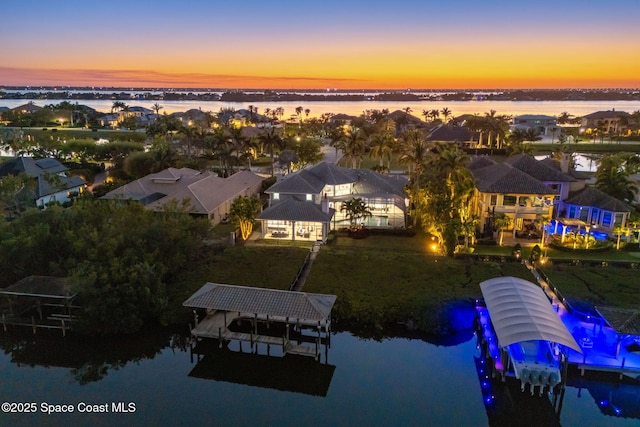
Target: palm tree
[
  {"x": 189, "y": 133},
  {"x": 435, "y": 114},
  {"x": 451, "y": 163},
  {"x": 271, "y": 139},
  {"x": 611, "y": 178},
  {"x": 501, "y": 221},
  {"x": 620, "y": 231},
  {"x": 118, "y": 105},
  {"x": 532, "y": 135},
  {"x": 157, "y": 107},
  {"x": 446, "y": 113},
  {"x": 354, "y": 210},
  {"x": 415, "y": 151},
  {"x": 381, "y": 147},
  {"x": 544, "y": 220},
  {"x": 337, "y": 138},
  {"x": 354, "y": 145}
]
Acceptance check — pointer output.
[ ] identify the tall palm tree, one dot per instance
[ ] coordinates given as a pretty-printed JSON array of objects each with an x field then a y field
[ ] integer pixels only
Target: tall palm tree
[
  {"x": 337, "y": 138},
  {"x": 502, "y": 221},
  {"x": 544, "y": 220},
  {"x": 381, "y": 147},
  {"x": 189, "y": 133},
  {"x": 354, "y": 145},
  {"x": 446, "y": 113},
  {"x": 611, "y": 178},
  {"x": 451, "y": 162},
  {"x": 157, "y": 107},
  {"x": 271, "y": 139}
]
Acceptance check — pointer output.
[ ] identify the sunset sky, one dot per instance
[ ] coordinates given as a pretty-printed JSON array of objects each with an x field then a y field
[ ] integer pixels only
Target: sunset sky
[{"x": 418, "y": 44}]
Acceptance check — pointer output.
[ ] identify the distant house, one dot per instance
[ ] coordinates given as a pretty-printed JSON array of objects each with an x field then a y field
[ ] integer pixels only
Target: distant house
[
  {"x": 609, "y": 122},
  {"x": 458, "y": 135},
  {"x": 51, "y": 182},
  {"x": 543, "y": 125},
  {"x": 342, "y": 118},
  {"x": 305, "y": 205},
  {"x": 208, "y": 194},
  {"x": 27, "y": 108}
]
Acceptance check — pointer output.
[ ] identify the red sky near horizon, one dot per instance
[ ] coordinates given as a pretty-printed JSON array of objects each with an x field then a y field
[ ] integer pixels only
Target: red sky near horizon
[{"x": 292, "y": 45}]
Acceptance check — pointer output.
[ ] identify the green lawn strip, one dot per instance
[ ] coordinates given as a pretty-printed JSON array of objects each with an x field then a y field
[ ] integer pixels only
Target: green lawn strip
[
  {"x": 595, "y": 256},
  {"x": 586, "y": 286},
  {"x": 381, "y": 287},
  {"x": 263, "y": 267}
]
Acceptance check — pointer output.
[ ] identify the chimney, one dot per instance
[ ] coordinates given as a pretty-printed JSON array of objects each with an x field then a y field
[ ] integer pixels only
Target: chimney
[{"x": 325, "y": 204}]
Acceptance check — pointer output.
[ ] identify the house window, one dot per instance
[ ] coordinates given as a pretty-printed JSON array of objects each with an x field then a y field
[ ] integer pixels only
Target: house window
[
  {"x": 509, "y": 200},
  {"x": 494, "y": 199},
  {"x": 584, "y": 214},
  {"x": 594, "y": 215},
  {"x": 276, "y": 196},
  {"x": 606, "y": 219},
  {"x": 572, "y": 212},
  {"x": 618, "y": 220},
  {"x": 309, "y": 197}
]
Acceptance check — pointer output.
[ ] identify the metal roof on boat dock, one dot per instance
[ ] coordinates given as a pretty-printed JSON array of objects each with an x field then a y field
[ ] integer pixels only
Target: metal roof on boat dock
[
  {"x": 272, "y": 302},
  {"x": 520, "y": 311}
]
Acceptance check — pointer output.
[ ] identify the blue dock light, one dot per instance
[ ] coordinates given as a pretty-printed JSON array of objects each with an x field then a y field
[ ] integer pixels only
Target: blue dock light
[
  {"x": 617, "y": 410},
  {"x": 604, "y": 402},
  {"x": 488, "y": 400}
]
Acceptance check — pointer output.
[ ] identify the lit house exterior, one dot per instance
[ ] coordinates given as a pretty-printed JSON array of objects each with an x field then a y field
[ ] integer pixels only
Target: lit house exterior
[
  {"x": 503, "y": 188},
  {"x": 525, "y": 188},
  {"x": 314, "y": 195},
  {"x": 51, "y": 181}
]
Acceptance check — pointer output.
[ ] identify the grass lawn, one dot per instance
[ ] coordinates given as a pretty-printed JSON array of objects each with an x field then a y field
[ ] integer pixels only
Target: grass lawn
[
  {"x": 583, "y": 285},
  {"x": 258, "y": 266},
  {"x": 384, "y": 281},
  {"x": 387, "y": 280}
]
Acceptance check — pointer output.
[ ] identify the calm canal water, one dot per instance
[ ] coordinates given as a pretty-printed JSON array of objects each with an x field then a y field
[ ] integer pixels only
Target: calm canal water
[{"x": 393, "y": 382}]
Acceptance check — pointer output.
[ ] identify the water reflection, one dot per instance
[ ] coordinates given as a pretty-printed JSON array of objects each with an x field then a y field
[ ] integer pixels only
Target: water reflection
[
  {"x": 88, "y": 359},
  {"x": 618, "y": 399},
  {"x": 296, "y": 374},
  {"x": 394, "y": 381}
]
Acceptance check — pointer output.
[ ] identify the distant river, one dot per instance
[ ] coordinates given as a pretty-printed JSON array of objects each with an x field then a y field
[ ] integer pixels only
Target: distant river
[
  {"x": 392, "y": 382},
  {"x": 552, "y": 108}
]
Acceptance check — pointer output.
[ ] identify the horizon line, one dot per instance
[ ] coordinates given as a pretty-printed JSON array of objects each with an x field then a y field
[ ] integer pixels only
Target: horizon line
[{"x": 325, "y": 90}]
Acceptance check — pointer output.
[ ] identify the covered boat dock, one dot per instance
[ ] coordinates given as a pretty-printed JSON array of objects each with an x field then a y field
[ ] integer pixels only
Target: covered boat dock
[
  {"x": 261, "y": 315},
  {"x": 38, "y": 302},
  {"x": 523, "y": 332}
]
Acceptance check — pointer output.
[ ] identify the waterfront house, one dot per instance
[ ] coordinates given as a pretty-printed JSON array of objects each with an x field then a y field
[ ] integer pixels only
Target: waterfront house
[
  {"x": 608, "y": 122},
  {"x": 302, "y": 203},
  {"x": 208, "y": 194},
  {"x": 451, "y": 134},
  {"x": 504, "y": 188},
  {"x": 51, "y": 183},
  {"x": 526, "y": 189},
  {"x": 543, "y": 125}
]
